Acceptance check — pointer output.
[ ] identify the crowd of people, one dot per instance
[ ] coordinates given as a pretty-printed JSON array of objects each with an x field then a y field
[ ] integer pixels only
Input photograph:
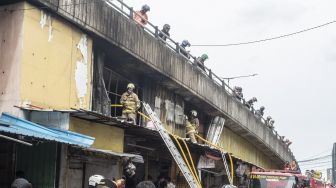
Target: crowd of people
[
  {"x": 99, "y": 181},
  {"x": 259, "y": 113}
]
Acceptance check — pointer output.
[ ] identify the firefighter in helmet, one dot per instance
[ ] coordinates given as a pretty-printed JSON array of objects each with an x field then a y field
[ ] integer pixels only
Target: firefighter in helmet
[
  {"x": 249, "y": 103},
  {"x": 192, "y": 125},
  {"x": 200, "y": 61},
  {"x": 99, "y": 181},
  {"x": 131, "y": 103}
]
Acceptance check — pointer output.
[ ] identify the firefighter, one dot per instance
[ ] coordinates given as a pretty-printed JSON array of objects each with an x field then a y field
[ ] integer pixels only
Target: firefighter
[
  {"x": 99, "y": 181},
  {"x": 249, "y": 103},
  {"x": 200, "y": 61},
  {"x": 141, "y": 17},
  {"x": 192, "y": 125},
  {"x": 268, "y": 119},
  {"x": 238, "y": 93},
  {"x": 131, "y": 104},
  {"x": 271, "y": 124},
  {"x": 183, "y": 46},
  {"x": 260, "y": 113},
  {"x": 165, "y": 30},
  {"x": 288, "y": 142}
]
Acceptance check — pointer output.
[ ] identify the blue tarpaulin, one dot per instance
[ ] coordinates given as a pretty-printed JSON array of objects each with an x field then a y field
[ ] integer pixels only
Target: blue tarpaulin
[{"x": 19, "y": 126}]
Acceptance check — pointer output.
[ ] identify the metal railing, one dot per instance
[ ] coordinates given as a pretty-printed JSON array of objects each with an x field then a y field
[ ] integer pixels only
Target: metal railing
[{"x": 153, "y": 30}]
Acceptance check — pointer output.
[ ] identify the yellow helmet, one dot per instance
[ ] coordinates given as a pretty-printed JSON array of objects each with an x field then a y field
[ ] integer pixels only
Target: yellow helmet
[{"x": 130, "y": 85}]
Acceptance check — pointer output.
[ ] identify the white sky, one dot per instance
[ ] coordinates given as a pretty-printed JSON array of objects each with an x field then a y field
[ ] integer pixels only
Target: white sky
[{"x": 296, "y": 74}]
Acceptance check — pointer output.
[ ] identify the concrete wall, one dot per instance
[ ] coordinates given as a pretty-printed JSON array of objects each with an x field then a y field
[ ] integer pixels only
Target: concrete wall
[
  {"x": 96, "y": 17},
  {"x": 44, "y": 62},
  {"x": 56, "y": 63},
  {"x": 241, "y": 148},
  {"x": 107, "y": 137},
  {"x": 11, "y": 39}
]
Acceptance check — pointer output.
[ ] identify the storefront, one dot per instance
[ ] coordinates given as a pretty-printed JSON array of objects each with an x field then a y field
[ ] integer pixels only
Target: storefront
[{"x": 34, "y": 150}]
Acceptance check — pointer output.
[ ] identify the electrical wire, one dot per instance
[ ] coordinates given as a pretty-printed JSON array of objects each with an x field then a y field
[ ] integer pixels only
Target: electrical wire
[
  {"x": 323, "y": 162},
  {"x": 267, "y": 39},
  {"x": 317, "y": 166},
  {"x": 318, "y": 154},
  {"x": 315, "y": 159}
]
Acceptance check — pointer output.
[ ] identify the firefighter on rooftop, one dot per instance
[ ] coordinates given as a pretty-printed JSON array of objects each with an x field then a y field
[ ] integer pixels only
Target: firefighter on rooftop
[
  {"x": 200, "y": 61},
  {"x": 141, "y": 17},
  {"x": 192, "y": 125},
  {"x": 249, "y": 103},
  {"x": 165, "y": 32},
  {"x": 183, "y": 46},
  {"x": 131, "y": 104}
]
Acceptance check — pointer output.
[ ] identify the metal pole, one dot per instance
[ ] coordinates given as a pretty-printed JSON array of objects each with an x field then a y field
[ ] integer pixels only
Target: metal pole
[
  {"x": 16, "y": 140},
  {"x": 131, "y": 13},
  {"x": 156, "y": 32}
]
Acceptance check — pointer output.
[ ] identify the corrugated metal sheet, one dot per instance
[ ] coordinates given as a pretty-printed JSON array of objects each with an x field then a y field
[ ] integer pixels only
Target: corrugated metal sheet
[
  {"x": 38, "y": 163},
  {"x": 6, "y": 163},
  {"x": 20, "y": 126}
]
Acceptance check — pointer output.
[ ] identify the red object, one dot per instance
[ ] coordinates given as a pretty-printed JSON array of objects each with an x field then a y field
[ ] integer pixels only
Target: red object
[{"x": 212, "y": 157}]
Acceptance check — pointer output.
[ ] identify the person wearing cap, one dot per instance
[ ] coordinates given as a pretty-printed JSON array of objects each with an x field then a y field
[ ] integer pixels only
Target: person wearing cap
[
  {"x": 141, "y": 17},
  {"x": 200, "y": 61},
  {"x": 192, "y": 125},
  {"x": 131, "y": 103},
  {"x": 165, "y": 32},
  {"x": 183, "y": 46}
]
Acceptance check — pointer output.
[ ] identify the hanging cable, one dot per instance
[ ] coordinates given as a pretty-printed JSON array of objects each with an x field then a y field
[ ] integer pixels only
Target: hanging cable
[
  {"x": 186, "y": 160},
  {"x": 267, "y": 39},
  {"x": 191, "y": 160}
]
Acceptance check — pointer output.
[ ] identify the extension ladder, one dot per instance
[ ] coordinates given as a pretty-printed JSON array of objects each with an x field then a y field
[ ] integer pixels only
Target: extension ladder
[
  {"x": 227, "y": 168},
  {"x": 171, "y": 147}
]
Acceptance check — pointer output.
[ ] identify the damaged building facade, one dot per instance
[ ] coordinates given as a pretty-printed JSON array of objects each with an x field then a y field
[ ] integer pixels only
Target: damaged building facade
[{"x": 63, "y": 68}]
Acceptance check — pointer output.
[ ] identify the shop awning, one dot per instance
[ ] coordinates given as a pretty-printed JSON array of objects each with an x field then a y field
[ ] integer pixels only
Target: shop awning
[{"x": 14, "y": 125}]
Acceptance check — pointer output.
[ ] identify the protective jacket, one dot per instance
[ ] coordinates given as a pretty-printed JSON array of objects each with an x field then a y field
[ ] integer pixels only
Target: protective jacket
[
  {"x": 162, "y": 36},
  {"x": 200, "y": 62},
  {"x": 130, "y": 102},
  {"x": 192, "y": 125}
]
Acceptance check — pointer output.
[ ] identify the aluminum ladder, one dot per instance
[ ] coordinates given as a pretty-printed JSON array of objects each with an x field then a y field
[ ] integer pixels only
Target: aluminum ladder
[
  {"x": 227, "y": 168},
  {"x": 171, "y": 147}
]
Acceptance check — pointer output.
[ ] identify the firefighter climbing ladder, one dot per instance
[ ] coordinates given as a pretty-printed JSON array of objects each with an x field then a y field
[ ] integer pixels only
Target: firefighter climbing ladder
[{"x": 192, "y": 181}]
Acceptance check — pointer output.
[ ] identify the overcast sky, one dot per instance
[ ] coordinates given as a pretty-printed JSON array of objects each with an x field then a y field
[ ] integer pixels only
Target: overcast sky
[{"x": 296, "y": 81}]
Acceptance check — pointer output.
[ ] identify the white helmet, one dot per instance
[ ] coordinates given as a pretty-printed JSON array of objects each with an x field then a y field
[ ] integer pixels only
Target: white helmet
[
  {"x": 95, "y": 180},
  {"x": 194, "y": 113}
]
